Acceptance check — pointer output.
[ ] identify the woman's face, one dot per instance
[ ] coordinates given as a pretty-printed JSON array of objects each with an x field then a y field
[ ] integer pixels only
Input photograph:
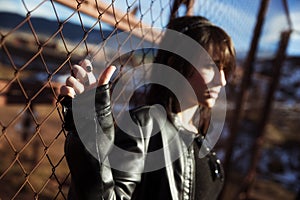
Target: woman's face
[{"x": 208, "y": 81}]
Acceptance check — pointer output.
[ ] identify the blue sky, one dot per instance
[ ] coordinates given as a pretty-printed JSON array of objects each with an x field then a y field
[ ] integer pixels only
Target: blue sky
[
  {"x": 276, "y": 21},
  {"x": 237, "y": 18}
]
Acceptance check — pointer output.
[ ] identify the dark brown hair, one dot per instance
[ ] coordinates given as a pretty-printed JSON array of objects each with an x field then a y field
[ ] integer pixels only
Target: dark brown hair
[{"x": 211, "y": 37}]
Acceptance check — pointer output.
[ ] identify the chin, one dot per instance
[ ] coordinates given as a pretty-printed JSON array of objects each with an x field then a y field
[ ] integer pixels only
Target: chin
[{"x": 209, "y": 102}]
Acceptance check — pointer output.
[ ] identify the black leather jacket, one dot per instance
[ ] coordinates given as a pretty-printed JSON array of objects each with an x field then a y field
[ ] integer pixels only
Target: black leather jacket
[{"x": 153, "y": 165}]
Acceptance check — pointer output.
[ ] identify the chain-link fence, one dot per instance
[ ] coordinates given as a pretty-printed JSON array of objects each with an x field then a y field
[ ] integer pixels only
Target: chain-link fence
[{"x": 42, "y": 39}]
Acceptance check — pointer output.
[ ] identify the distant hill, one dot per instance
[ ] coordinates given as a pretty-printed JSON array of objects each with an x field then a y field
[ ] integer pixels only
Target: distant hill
[{"x": 44, "y": 26}]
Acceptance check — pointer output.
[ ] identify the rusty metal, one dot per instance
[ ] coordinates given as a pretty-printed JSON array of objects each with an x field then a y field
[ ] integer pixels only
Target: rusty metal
[
  {"x": 113, "y": 16},
  {"x": 188, "y": 4},
  {"x": 265, "y": 113},
  {"x": 246, "y": 82},
  {"x": 28, "y": 167}
]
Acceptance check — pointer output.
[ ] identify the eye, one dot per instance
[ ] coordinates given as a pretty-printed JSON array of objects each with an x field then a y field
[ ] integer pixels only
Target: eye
[
  {"x": 227, "y": 72},
  {"x": 209, "y": 66},
  {"x": 218, "y": 63}
]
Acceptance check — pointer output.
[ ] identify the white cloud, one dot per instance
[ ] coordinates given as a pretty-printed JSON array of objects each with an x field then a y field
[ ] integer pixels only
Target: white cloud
[
  {"x": 295, "y": 37},
  {"x": 12, "y": 6},
  {"x": 273, "y": 28},
  {"x": 276, "y": 25},
  {"x": 295, "y": 17}
]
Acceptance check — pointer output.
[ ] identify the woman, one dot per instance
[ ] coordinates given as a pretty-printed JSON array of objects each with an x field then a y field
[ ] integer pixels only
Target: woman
[{"x": 125, "y": 167}]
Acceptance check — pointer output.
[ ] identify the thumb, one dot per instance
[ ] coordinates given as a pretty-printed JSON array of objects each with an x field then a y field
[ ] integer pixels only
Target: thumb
[{"x": 106, "y": 75}]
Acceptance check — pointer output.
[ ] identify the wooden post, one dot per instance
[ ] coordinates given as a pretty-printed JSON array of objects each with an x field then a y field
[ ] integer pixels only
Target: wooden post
[
  {"x": 189, "y": 4},
  {"x": 246, "y": 82},
  {"x": 277, "y": 66}
]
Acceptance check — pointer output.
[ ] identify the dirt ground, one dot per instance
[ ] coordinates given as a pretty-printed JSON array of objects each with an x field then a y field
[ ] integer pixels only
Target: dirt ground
[
  {"x": 35, "y": 167},
  {"x": 32, "y": 167}
]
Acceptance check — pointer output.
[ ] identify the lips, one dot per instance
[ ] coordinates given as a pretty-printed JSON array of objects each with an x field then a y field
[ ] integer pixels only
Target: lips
[{"x": 213, "y": 94}]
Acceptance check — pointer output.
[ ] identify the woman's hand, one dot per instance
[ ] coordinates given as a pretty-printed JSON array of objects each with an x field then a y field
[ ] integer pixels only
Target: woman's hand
[{"x": 83, "y": 79}]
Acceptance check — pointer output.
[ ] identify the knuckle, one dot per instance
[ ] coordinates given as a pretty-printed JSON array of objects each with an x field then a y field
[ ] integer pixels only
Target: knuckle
[
  {"x": 69, "y": 81},
  {"x": 62, "y": 89}
]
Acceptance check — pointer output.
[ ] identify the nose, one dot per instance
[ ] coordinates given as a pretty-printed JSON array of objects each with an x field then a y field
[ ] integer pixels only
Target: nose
[
  {"x": 223, "y": 78},
  {"x": 220, "y": 78}
]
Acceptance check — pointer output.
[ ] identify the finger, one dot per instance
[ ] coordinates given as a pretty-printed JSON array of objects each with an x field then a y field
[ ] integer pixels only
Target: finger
[
  {"x": 67, "y": 91},
  {"x": 106, "y": 75},
  {"x": 75, "y": 84},
  {"x": 87, "y": 66},
  {"x": 79, "y": 73}
]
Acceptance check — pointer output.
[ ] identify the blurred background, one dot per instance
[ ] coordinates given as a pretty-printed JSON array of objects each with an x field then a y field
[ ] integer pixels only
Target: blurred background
[{"x": 42, "y": 39}]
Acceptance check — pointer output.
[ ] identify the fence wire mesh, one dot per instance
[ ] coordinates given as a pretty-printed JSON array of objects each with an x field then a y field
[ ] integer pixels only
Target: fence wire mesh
[{"x": 36, "y": 56}]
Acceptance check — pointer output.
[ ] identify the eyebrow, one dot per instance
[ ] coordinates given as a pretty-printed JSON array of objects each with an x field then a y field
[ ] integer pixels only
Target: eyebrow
[{"x": 218, "y": 63}]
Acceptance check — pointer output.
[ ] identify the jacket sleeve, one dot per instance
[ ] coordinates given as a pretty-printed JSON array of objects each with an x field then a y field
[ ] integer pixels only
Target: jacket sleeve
[{"x": 90, "y": 148}]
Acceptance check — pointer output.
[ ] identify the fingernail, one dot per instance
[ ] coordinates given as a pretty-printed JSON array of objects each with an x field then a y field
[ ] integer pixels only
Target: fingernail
[{"x": 88, "y": 68}]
